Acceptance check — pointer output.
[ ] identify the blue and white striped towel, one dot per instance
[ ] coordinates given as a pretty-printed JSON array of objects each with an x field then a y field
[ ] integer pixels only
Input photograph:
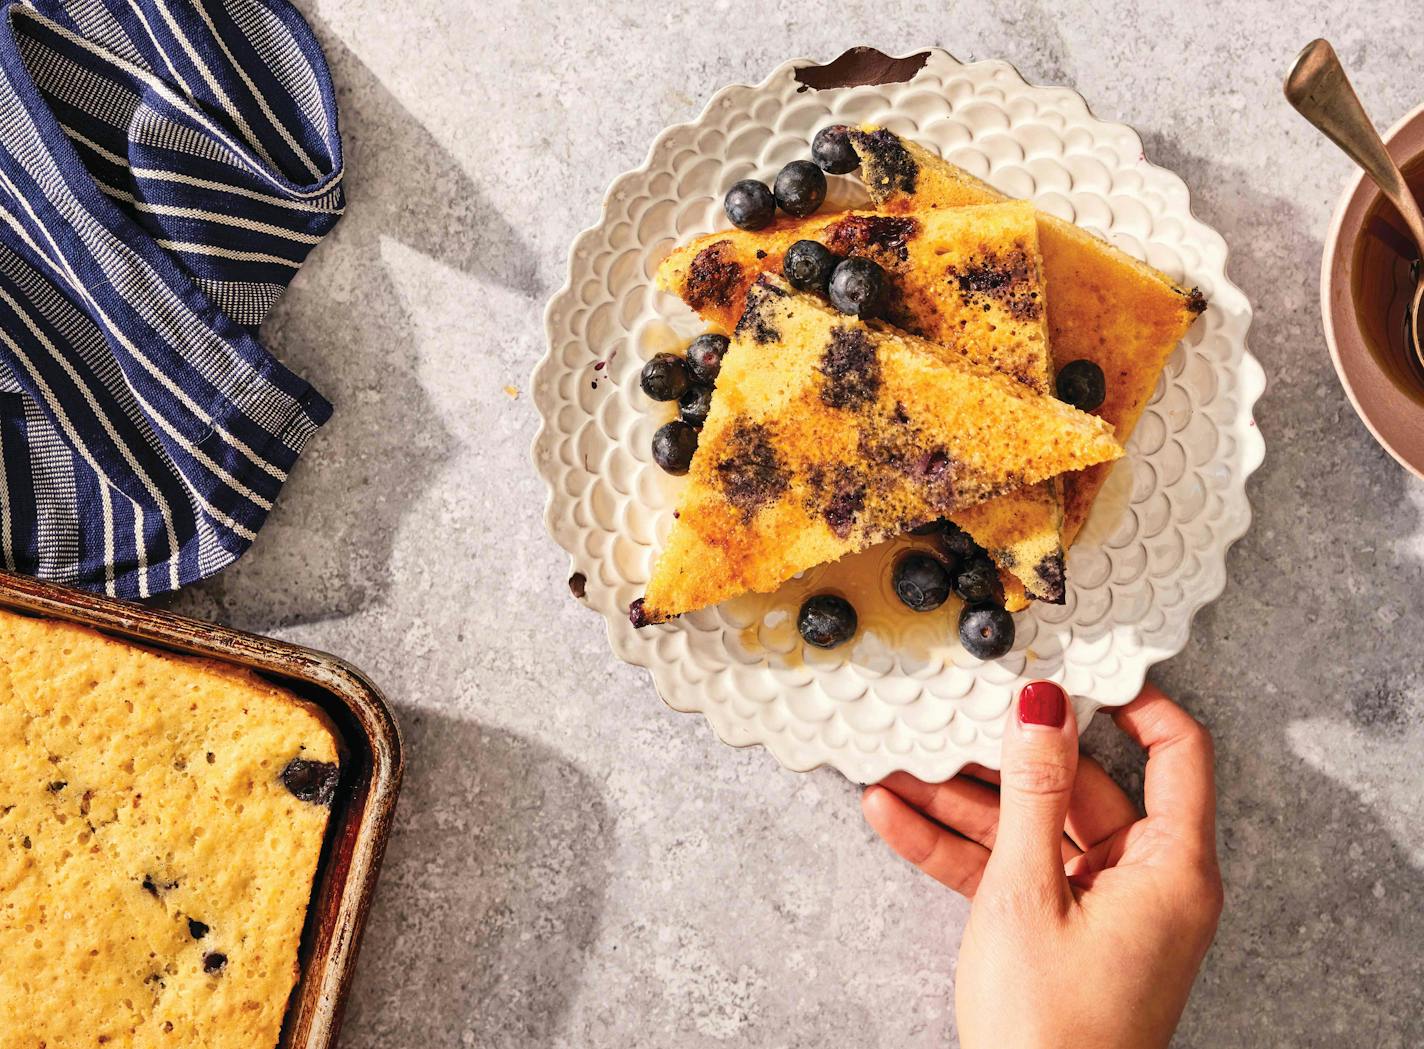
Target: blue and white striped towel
[{"x": 165, "y": 167}]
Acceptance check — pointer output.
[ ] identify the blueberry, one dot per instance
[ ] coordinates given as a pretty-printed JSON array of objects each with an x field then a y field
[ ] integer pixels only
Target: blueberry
[
  {"x": 831, "y": 149},
  {"x": 958, "y": 542},
  {"x": 921, "y": 582},
  {"x": 673, "y": 446},
  {"x": 826, "y": 621},
  {"x": 704, "y": 357},
  {"x": 696, "y": 403},
  {"x": 858, "y": 286},
  {"x": 986, "y": 631},
  {"x": 800, "y": 188},
  {"x": 978, "y": 580},
  {"x": 952, "y": 563},
  {"x": 749, "y": 204},
  {"x": 808, "y": 265},
  {"x": 664, "y": 378},
  {"x": 214, "y": 962},
  {"x": 311, "y": 781},
  {"x": 638, "y": 614},
  {"x": 953, "y": 547},
  {"x": 1082, "y": 384}
]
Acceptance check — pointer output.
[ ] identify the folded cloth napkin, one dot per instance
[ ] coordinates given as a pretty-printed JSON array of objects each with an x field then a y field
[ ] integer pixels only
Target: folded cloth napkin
[{"x": 165, "y": 167}]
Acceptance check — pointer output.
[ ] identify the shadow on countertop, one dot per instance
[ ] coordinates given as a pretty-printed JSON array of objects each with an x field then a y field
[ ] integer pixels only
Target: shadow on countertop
[
  {"x": 1305, "y": 674},
  {"x": 491, "y": 891},
  {"x": 325, "y": 550}
]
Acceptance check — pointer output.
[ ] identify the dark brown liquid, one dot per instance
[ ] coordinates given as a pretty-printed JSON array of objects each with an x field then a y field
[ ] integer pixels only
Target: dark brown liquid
[{"x": 1386, "y": 263}]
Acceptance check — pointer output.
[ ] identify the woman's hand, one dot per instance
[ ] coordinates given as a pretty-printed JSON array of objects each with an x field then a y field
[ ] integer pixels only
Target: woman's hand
[{"x": 1089, "y": 922}]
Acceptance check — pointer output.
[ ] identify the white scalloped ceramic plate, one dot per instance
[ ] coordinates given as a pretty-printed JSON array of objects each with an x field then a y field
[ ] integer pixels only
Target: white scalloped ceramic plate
[{"x": 1152, "y": 554}]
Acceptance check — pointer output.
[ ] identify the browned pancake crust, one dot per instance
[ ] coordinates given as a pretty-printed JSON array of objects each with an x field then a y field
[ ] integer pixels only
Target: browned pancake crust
[{"x": 1104, "y": 305}]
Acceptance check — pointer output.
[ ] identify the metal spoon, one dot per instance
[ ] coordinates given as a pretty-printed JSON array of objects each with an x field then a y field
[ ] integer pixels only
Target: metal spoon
[{"x": 1319, "y": 89}]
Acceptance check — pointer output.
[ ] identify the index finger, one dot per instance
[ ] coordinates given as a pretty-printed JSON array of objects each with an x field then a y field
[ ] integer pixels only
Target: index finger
[{"x": 1180, "y": 784}]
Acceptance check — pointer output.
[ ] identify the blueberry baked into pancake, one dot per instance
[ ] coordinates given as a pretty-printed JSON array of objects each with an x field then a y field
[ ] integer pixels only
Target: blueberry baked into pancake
[
  {"x": 1104, "y": 306},
  {"x": 829, "y": 433},
  {"x": 161, "y": 822},
  {"x": 967, "y": 280}
]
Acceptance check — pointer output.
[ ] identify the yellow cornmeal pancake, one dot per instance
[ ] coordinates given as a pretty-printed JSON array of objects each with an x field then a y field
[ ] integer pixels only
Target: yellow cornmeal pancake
[
  {"x": 161, "y": 820},
  {"x": 828, "y": 435},
  {"x": 966, "y": 279},
  {"x": 1103, "y": 305}
]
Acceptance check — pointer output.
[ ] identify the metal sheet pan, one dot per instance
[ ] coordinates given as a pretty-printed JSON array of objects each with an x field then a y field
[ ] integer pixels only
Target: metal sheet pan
[{"x": 361, "y": 816}]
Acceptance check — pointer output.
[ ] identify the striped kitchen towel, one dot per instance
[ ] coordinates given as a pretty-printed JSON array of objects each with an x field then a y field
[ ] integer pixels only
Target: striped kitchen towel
[{"x": 165, "y": 167}]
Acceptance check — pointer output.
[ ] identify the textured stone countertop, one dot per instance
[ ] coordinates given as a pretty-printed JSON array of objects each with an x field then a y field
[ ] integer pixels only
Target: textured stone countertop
[{"x": 575, "y": 865}]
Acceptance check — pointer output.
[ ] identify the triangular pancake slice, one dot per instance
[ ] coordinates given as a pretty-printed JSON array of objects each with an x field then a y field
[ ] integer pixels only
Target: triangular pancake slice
[
  {"x": 966, "y": 279},
  {"x": 828, "y": 435},
  {"x": 1104, "y": 305}
]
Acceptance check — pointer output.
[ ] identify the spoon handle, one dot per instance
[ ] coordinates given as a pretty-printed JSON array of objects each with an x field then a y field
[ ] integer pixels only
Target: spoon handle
[{"x": 1319, "y": 89}]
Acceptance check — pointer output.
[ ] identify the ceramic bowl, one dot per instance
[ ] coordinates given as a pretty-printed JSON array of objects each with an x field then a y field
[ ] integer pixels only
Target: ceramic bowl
[{"x": 1395, "y": 419}]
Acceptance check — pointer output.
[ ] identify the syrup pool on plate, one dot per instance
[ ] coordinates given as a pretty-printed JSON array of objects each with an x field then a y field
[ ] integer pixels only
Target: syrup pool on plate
[
  {"x": 1382, "y": 286},
  {"x": 865, "y": 579}
]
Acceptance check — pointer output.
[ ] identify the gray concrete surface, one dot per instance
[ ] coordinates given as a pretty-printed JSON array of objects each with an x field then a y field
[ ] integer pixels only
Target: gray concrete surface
[{"x": 574, "y": 865}]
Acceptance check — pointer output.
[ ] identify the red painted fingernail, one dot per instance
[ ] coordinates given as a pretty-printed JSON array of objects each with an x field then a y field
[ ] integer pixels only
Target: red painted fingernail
[{"x": 1043, "y": 703}]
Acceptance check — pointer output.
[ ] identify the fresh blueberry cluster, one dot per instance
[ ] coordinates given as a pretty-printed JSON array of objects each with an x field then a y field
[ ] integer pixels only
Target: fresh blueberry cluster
[
  {"x": 854, "y": 285},
  {"x": 688, "y": 380},
  {"x": 799, "y": 190},
  {"x": 986, "y": 630},
  {"x": 923, "y": 581}
]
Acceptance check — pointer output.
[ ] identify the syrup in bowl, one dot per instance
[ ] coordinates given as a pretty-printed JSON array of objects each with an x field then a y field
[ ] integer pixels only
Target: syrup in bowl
[{"x": 1382, "y": 285}]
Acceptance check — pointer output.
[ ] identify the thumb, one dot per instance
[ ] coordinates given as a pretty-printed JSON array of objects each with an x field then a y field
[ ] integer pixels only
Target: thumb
[{"x": 1039, "y": 764}]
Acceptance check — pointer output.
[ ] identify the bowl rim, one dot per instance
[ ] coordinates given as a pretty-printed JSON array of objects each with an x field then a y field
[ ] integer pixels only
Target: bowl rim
[{"x": 1395, "y": 420}]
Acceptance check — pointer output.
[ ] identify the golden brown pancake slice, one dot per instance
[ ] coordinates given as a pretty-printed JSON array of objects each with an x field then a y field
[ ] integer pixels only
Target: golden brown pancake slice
[
  {"x": 1103, "y": 305},
  {"x": 966, "y": 279},
  {"x": 828, "y": 435}
]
